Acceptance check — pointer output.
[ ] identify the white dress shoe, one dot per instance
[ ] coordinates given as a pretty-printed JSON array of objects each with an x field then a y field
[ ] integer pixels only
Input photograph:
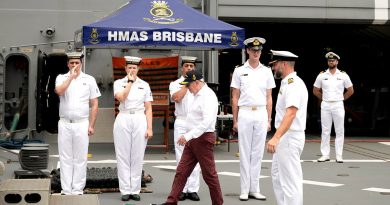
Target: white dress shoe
[
  {"x": 244, "y": 197},
  {"x": 339, "y": 159},
  {"x": 323, "y": 159},
  {"x": 257, "y": 196}
]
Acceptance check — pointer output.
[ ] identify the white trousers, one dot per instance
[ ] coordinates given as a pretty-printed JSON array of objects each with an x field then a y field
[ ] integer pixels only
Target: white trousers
[
  {"x": 192, "y": 184},
  {"x": 332, "y": 112},
  {"x": 286, "y": 169},
  {"x": 130, "y": 144},
  {"x": 73, "y": 143},
  {"x": 252, "y": 132}
]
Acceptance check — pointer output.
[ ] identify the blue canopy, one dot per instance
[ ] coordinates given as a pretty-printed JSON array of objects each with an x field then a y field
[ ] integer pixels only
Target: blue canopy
[{"x": 161, "y": 23}]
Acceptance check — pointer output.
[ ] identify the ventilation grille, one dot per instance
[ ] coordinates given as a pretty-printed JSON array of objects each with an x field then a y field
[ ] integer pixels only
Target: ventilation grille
[{"x": 34, "y": 158}]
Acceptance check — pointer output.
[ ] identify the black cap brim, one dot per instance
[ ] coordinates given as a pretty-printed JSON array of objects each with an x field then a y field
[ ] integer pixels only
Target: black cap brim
[
  {"x": 256, "y": 48},
  {"x": 272, "y": 62}
]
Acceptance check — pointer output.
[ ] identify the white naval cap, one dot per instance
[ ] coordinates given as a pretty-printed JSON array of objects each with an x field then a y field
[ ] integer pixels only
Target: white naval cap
[
  {"x": 189, "y": 59},
  {"x": 254, "y": 43},
  {"x": 133, "y": 60},
  {"x": 331, "y": 55},
  {"x": 75, "y": 55},
  {"x": 282, "y": 56}
]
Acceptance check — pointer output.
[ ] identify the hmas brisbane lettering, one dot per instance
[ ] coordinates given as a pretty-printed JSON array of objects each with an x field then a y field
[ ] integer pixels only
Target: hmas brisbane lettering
[
  {"x": 165, "y": 36},
  {"x": 127, "y": 36}
]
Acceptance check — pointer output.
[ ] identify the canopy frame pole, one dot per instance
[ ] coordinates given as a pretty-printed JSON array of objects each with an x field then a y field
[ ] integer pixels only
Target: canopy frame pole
[
  {"x": 243, "y": 56},
  {"x": 84, "y": 61}
]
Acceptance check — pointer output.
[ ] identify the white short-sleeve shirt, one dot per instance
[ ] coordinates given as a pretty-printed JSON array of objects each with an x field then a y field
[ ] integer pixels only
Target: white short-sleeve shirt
[
  {"x": 293, "y": 92},
  {"x": 253, "y": 84},
  {"x": 74, "y": 103},
  {"x": 139, "y": 94},
  {"x": 182, "y": 108},
  {"x": 333, "y": 85}
]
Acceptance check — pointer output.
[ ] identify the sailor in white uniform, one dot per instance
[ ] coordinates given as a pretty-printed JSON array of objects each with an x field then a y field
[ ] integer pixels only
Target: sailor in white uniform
[
  {"x": 289, "y": 139},
  {"x": 77, "y": 91},
  {"x": 252, "y": 86},
  {"x": 132, "y": 128},
  {"x": 329, "y": 87},
  {"x": 183, "y": 101}
]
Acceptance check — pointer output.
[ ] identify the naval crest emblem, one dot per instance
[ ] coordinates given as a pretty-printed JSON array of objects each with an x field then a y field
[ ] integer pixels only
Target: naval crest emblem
[
  {"x": 233, "y": 39},
  {"x": 94, "y": 36},
  {"x": 162, "y": 14}
]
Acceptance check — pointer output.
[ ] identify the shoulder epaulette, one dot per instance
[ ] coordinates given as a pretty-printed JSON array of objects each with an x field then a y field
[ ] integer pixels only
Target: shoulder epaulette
[
  {"x": 290, "y": 80},
  {"x": 322, "y": 72},
  {"x": 239, "y": 65},
  {"x": 344, "y": 72}
]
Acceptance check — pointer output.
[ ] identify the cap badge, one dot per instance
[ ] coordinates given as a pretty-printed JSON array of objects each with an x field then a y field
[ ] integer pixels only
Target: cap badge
[{"x": 256, "y": 42}]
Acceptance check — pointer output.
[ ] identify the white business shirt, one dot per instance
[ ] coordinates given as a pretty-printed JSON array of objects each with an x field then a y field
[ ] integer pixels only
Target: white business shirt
[
  {"x": 253, "y": 84},
  {"x": 203, "y": 113},
  {"x": 74, "y": 103}
]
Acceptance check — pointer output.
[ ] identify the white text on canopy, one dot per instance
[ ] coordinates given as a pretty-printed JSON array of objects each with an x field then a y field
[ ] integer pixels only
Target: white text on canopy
[{"x": 165, "y": 36}]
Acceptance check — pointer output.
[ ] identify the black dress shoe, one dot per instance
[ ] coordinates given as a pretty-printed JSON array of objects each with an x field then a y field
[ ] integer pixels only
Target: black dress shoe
[
  {"x": 193, "y": 196},
  {"x": 159, "y": 204},
  {"x": 135, "y": 197},
  {"x": 125, "y": 197},
  {"x": 183, "y": 196}
]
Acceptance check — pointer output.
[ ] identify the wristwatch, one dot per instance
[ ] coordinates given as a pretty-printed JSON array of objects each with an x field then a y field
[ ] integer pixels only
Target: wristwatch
[{"x": 132, "y": 81}]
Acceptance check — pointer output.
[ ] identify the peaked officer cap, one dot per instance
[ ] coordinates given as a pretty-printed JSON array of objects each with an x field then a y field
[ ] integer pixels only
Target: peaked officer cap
[
  {"x": 282, "y": 56},
  {"x": 254, "y": 43},
  {"x": 331, "y": 55}
]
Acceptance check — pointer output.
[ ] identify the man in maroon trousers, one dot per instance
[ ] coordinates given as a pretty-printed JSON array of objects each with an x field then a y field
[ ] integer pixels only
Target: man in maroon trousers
[{"x": 199, "y": 140}]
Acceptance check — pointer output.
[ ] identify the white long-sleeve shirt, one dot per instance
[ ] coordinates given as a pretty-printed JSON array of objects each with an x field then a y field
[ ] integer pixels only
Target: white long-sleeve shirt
[{"x": 203, "y": 114}]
